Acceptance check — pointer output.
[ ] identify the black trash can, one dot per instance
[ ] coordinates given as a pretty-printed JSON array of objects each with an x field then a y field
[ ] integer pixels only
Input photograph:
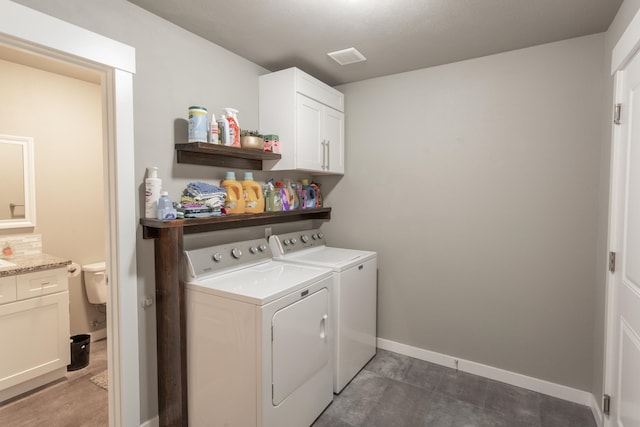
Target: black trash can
[{"x": 80, "y": 347}]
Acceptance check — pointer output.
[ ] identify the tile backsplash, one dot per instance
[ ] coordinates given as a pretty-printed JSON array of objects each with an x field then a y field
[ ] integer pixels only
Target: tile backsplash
[{"x": 23, "y": 244}]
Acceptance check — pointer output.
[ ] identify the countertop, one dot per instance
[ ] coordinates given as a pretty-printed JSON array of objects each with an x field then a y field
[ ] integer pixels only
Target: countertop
[{"x": 30, "y": 263}]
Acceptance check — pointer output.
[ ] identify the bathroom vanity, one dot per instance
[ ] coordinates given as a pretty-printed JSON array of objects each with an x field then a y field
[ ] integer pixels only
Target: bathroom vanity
[{"x": 34, "y": 323}]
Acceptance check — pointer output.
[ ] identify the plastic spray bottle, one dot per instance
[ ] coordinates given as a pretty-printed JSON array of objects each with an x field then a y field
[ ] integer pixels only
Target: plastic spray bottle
[
  {"x": 234, "y": 127},
  {"x": 152, "y": 187}
]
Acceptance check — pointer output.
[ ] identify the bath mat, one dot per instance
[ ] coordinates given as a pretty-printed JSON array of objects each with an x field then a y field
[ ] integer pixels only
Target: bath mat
[{"x": 101, "y": 380}]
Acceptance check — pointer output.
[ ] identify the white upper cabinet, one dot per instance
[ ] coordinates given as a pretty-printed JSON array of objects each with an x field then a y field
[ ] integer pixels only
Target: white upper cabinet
[{"x": 308, "y": 117}]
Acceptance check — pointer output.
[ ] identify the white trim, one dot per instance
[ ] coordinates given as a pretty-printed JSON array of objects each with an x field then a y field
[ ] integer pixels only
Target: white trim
[
  {"x": 154, "y": 422},
  {"x": 596, "y": 412},
  {"x": 627, "y": 45},
  {"x": 497, "y": 374},
  {"x": 40, "y": 34},
  {"x": 46, "y": 31}
]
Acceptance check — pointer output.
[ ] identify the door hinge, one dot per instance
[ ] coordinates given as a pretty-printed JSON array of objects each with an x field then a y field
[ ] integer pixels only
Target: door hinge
[
  {"x": 616, "y": 113},
  {"x": 612, "y": 262},
  {"x": 606, "y": 404}
]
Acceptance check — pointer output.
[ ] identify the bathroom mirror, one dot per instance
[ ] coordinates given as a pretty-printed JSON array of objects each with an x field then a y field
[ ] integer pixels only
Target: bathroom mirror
[{"x": 17, "y": 175}]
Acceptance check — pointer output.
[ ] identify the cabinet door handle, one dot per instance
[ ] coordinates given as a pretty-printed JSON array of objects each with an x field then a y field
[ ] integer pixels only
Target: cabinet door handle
[
  {"x": 324, "y": 154},
  {"x": 328, "y": 154}
]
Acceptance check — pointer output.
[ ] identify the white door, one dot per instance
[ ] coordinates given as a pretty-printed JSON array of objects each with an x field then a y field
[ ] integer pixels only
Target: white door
[
  {"x": 310, "y": 151},
  {"x": 334, "y": 138},
  {"x": 300, "y": 343},
  {"x": 623, "y": 342}
]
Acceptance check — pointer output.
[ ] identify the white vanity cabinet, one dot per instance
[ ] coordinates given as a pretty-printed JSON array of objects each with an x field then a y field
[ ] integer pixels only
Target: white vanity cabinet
[
  {"x": 34, "y": 330},
  {"x": 308, "y": 117}
]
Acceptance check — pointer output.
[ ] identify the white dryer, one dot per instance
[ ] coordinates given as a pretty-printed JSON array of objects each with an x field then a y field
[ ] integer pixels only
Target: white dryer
[
  {"x": 354, "y": 296},
  {"x": 259, "y": 347}
]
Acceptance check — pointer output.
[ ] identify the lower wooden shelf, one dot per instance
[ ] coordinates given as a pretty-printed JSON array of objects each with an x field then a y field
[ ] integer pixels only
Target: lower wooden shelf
[{"x": 215, "y": 223}]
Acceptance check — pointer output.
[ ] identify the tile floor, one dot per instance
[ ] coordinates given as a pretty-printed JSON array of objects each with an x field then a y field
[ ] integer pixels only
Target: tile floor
[
  {"x": 396, "y": 390},
  {"x": 71, "y": 402}
]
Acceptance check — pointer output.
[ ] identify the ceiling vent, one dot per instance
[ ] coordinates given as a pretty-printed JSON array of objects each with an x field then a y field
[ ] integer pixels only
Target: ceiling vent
[{"x": 347, "y": 56}]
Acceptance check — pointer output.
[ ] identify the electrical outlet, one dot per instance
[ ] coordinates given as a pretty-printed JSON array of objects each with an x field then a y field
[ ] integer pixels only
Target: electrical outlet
[{"x": 267, "y": 232}]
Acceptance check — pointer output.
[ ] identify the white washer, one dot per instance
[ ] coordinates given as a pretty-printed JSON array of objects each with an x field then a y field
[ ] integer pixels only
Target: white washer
[
  {"x": 259, "y": 347},
  {"x": 354, "y": 296}
]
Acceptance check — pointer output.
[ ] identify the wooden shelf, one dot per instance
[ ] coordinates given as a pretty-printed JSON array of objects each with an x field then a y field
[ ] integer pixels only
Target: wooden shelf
[
  {"x": 200, "y": 153},
  {"x": 215, "y": 223}
]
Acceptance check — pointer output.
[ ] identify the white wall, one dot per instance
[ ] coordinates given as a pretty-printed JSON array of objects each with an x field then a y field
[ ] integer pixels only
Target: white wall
[{"x": 479, "y": 192}]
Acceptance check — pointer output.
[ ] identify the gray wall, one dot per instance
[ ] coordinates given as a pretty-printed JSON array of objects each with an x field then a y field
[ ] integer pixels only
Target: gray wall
[{"x": 480, "y": 195}]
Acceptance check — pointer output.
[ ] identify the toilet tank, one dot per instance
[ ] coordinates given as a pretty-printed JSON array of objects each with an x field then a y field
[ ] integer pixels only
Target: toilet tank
[{"x": 95, "y": 282}]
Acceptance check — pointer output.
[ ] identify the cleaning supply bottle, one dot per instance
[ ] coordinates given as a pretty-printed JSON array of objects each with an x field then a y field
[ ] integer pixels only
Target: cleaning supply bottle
[
  {"x": 234, "y": 127},
  {"x": 152, "y": 187},
  {"x": 294, "y": 200},
  {"x": 310, "y": 194},
  {"x": 213, "y": 134},
  {"x": 273, "y": 202},
  {"x": 284, "y": 195},
  {"x": 316, "y": 189},
  {"x": 253, "y": 198},
  {"x": 223, "y": 130},
  {"x": 165, "y": 207},
  {"x": 234, "y": 204},
  {"x": 302, "y": 196}
]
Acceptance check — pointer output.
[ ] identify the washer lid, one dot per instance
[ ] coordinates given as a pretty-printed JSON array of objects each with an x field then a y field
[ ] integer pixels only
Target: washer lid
[
  {"x": 260, "y": 284},
  {"x": 329, "y": 257}
]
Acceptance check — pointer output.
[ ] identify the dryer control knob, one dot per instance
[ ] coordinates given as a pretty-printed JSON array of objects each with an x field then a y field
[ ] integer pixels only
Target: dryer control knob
[
  {"x": 253, "y": 249},
  {"x": 262, "y": 247},
  {"x": 294, "y": 241},
  {"x": 320, "y": 235},
  {"x": 236, "y": 252},
  {"x": 217, "y": 257},
  {"x": 287, "y": 242},
  {"x": 304, "y": 238},
  {"x": 315, "y": 237}
]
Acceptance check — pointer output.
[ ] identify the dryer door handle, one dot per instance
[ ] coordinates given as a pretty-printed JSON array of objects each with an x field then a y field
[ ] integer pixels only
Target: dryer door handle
[{"x": 323, "y": 327}]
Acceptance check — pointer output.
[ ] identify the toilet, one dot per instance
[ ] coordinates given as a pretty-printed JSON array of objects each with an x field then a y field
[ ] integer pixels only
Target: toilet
[{"x": 95, "y": 282}]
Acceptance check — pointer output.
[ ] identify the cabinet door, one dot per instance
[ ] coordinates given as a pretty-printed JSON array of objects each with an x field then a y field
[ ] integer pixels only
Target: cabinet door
[
  {"x": 35, "y": 338},
  {"x": 309, "y": 133},
  {"x": 334, "y": 140}
]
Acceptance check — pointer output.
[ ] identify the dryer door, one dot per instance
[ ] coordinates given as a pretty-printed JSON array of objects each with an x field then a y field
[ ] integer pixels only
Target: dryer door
[{"x": 300, "y": 345}]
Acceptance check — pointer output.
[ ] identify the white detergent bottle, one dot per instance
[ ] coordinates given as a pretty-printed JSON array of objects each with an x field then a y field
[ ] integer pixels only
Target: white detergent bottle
[
  {"x": 223, "y": 130},
  {"x": 152, "y": 187},
  {"x": 234, "y": 127},
  {"x": 213, "y": 134}
]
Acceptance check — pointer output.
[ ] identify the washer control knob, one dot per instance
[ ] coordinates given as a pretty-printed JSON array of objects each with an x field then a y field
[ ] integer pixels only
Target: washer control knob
[
  {"x": 253, "y": 249},
  {"x": 304, "y": 238},
  {"x": 236, "y": 252},
  {"x": 315, "y": 237},
  {"x": 294, "y": 241},
  {"x": 287, "y": 242},
  {"x": 217, "y": 257},
  {"x": 262, "y": 247},
  {"x": 320, "y": 235}
]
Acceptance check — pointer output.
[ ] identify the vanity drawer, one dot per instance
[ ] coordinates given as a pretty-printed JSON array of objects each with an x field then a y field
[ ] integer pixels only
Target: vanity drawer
[
  {"x": 41, "y": 283},
  {"x": 8, "y": 289}
]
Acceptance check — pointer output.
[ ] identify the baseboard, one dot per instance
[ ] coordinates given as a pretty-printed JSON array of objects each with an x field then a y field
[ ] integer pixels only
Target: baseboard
[
  {"x": 98, "y": 335},
  {"x": 595, "y": 410},
  {"x": 497, "y": 374},
  {"x": 153, "y": 422}
]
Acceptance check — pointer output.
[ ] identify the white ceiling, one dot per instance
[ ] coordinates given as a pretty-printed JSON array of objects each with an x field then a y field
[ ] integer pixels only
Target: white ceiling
[{"x": 394, "y": 35}]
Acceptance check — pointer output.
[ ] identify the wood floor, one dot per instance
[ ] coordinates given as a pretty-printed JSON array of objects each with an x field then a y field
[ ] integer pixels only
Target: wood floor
[{"x": 71, "y": 402}]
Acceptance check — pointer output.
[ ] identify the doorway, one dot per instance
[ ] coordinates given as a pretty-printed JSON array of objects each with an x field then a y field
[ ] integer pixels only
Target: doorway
[{"x": 48, "y": 38}]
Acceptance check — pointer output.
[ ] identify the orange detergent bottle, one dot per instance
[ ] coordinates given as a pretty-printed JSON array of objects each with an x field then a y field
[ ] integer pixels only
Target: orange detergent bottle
[
  {"x": 253, "y": 198},
  {"x": 234, "y": 204}
]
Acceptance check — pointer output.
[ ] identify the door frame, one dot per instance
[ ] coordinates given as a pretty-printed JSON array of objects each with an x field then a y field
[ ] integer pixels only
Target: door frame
[
  {"x": 43, "y": 35},
  {"x": 627, "y": 46}
]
